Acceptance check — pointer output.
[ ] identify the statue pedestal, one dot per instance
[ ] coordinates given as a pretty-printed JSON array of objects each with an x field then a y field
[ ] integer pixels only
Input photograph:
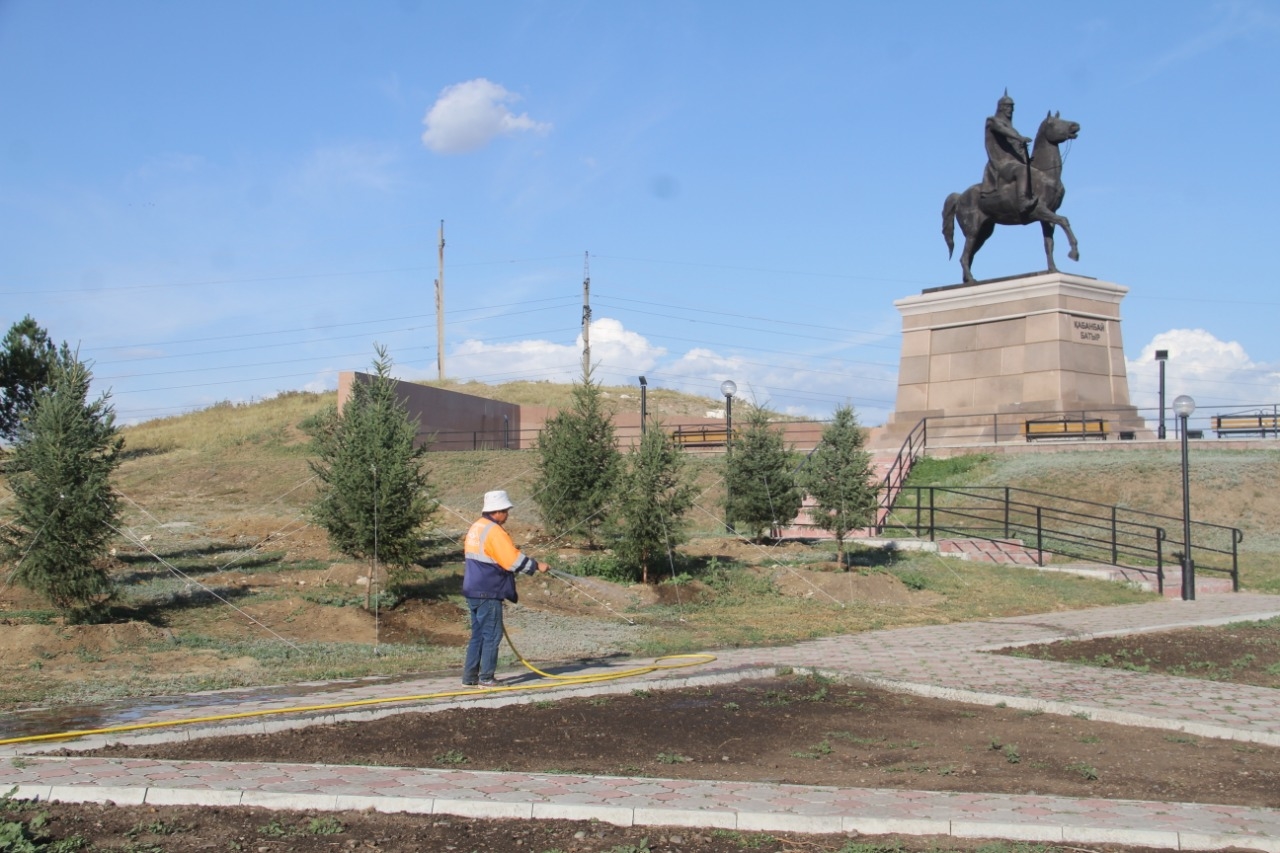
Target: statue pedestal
[{"x": 986, "y": 357}]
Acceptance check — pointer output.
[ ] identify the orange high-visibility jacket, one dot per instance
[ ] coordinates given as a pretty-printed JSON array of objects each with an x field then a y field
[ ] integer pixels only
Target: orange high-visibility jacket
[{"x": 492, "y": 562}]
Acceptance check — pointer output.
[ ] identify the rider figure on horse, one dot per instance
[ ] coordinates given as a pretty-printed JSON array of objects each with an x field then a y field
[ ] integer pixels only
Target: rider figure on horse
[{"x": 1006, "y": 182}]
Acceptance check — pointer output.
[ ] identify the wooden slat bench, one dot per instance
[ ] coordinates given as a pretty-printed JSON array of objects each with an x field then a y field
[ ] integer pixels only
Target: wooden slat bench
[
  {"x": 1070, "y": 428},
  {"x": 700, "y": 436},
  {"x": 1246, "y": 425}
]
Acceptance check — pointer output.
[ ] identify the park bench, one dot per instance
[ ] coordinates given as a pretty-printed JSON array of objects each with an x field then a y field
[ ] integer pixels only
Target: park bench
[
  {"x": 1246, "y": 425},
  {"x": 700, "y": 436},
  {"x": 1069, "y": 428}
]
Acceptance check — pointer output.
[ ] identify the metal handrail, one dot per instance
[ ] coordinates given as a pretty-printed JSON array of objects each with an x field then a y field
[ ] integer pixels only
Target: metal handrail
[
  {"x": 1070, "y": 527},
  {"x": 895, "y": 477}
]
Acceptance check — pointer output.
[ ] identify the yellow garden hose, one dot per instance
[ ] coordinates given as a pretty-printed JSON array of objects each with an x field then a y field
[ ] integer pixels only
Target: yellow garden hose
[{"x": 560, "y": 681}]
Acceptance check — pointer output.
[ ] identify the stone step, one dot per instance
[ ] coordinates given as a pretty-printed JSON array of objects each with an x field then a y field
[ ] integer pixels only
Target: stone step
[
  {"x": 1206, "y": 583},
  {"x": 1003, "y": 551},
  {"x": 803, "y": 526}
]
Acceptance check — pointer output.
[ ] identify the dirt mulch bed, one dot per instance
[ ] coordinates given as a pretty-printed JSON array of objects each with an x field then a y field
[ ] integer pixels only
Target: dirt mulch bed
[
  {"x": 1245, "y": 653},
  {"x": 797, "y": 729},
  {"x": 175, "y": 829},
  {"x": 794, "y": 729}
]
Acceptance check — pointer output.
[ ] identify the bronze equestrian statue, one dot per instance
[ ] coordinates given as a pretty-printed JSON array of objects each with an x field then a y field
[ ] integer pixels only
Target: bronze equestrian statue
[{"x": 1018, "y": 187}]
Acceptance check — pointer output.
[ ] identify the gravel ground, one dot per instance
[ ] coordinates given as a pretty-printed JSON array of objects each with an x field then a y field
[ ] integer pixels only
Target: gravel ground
[{"x": 543, "y": 636}]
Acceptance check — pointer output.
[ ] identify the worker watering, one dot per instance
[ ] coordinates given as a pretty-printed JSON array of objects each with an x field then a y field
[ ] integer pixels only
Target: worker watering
[{"x": 488, "y": 548}]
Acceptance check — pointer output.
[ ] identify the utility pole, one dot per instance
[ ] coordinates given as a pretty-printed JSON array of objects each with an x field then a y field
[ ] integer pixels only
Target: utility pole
[
  {"x": 440, "y": 310},
  {"x": 586, "y": 315}
]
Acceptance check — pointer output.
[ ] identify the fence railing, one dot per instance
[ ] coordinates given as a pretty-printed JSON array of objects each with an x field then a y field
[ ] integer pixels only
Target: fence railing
[
  {"x": 699, "y": 435},
  {"x": 1141, "y": 541}
]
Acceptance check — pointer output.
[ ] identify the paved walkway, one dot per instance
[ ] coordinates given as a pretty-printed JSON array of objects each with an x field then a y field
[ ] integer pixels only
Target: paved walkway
[{"x": 942, "y": 661}]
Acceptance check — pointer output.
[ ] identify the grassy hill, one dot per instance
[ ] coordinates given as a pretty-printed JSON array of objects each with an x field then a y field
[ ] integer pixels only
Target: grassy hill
[
  {"x": 230, "y": 459},
  {"x": 225, "y": 583},
  {"x": 235, "y": 458}
]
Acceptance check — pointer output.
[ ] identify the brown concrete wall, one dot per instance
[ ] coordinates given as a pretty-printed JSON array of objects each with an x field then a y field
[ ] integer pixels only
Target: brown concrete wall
[
  {"x": 458, "y": 421},
  {"x": 466, "y": 422}
]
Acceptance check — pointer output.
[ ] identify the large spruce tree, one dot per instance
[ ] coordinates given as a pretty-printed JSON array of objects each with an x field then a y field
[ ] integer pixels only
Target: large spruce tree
[
  {"x": 64, "y": 511},
  {"x": 760, "y": 485},
  {"x": 838, "y": 476},
  {"x": 653, "y": 497},
  {"x": 579, "y": 465},
  {"x": 374, "y": 496}
]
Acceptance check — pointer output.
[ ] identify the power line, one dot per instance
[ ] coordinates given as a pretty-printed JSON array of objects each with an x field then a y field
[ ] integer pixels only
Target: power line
[
  {"x": 206, "y": 283},
  {"x": 325, "y": 357},
  {"x": 844, "y": 276},
  {"x": 743, "y": 316},
  {"x": 297, "y": 343},
  {"x": 321, "y": 328},
  {"x": 764, "y": 331},
  {"x": 217, "y": 282}
]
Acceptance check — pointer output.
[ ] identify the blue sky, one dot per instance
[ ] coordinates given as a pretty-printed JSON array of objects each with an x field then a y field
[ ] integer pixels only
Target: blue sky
[{"x": 221, "y": 201}]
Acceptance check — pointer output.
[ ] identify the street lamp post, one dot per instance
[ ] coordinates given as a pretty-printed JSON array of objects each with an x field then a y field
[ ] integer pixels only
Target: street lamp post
[
  {"x": 644, "y": 404},
  {"x": 1162, "y": 355},
  {"x": 728, "y": 388},
  {"x": 1183, "y": 406}
]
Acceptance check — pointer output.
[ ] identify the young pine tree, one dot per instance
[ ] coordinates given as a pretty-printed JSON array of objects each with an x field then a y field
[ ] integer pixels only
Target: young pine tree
[
  {"x": 760, "y": 483},
  {"x": 374, "y": 495},
  {"x": 27, "y": 360},
  {"x": 64, "y": 511},
  {"x": 579, "y": 465},
  {"x": 653, "y": 498},
  {"x": 838, "y": 476}
]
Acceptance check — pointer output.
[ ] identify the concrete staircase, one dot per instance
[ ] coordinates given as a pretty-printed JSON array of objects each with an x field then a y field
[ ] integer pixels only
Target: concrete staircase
[{"x": 803, "y": 527}]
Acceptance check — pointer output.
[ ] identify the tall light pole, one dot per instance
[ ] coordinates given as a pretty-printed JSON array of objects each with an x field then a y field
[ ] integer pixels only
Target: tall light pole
[
  {"x": 1183, "y": 406},
  {"x": 644, "y": 404},
  {"x": 1162, "y": 355},
  {"x": 728, "y": 388}
]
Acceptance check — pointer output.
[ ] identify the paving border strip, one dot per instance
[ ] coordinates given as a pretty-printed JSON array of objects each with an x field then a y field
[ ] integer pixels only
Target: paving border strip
[{"x": 645, "y": 801}]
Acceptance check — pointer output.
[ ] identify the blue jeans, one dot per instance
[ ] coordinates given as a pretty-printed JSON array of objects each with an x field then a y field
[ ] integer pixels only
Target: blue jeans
[{"x": 486, "y": 635}]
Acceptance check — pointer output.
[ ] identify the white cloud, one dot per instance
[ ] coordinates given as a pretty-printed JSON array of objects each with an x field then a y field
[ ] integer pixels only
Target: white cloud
[
  {"x": 1217, "y": 374},
  {"x": 325, "y": 380},
  {"x": 618, "y": 355},
  {"x": 468, "y": 115},
  {"x": 506, "y": 362},
  {"x": 616, "y": 350},
  {"x": 810, "y": 387}
]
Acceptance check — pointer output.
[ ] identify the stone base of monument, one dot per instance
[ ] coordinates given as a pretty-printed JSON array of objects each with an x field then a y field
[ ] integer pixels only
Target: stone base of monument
[{"x": 981, "y": 360}]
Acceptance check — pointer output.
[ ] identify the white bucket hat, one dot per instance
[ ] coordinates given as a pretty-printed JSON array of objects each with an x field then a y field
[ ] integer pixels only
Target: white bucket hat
[{"x": 496, "y": 501}]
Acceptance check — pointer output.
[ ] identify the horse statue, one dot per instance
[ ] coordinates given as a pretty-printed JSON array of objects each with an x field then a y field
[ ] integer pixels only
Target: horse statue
[{"x": 979, "y": 212}]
